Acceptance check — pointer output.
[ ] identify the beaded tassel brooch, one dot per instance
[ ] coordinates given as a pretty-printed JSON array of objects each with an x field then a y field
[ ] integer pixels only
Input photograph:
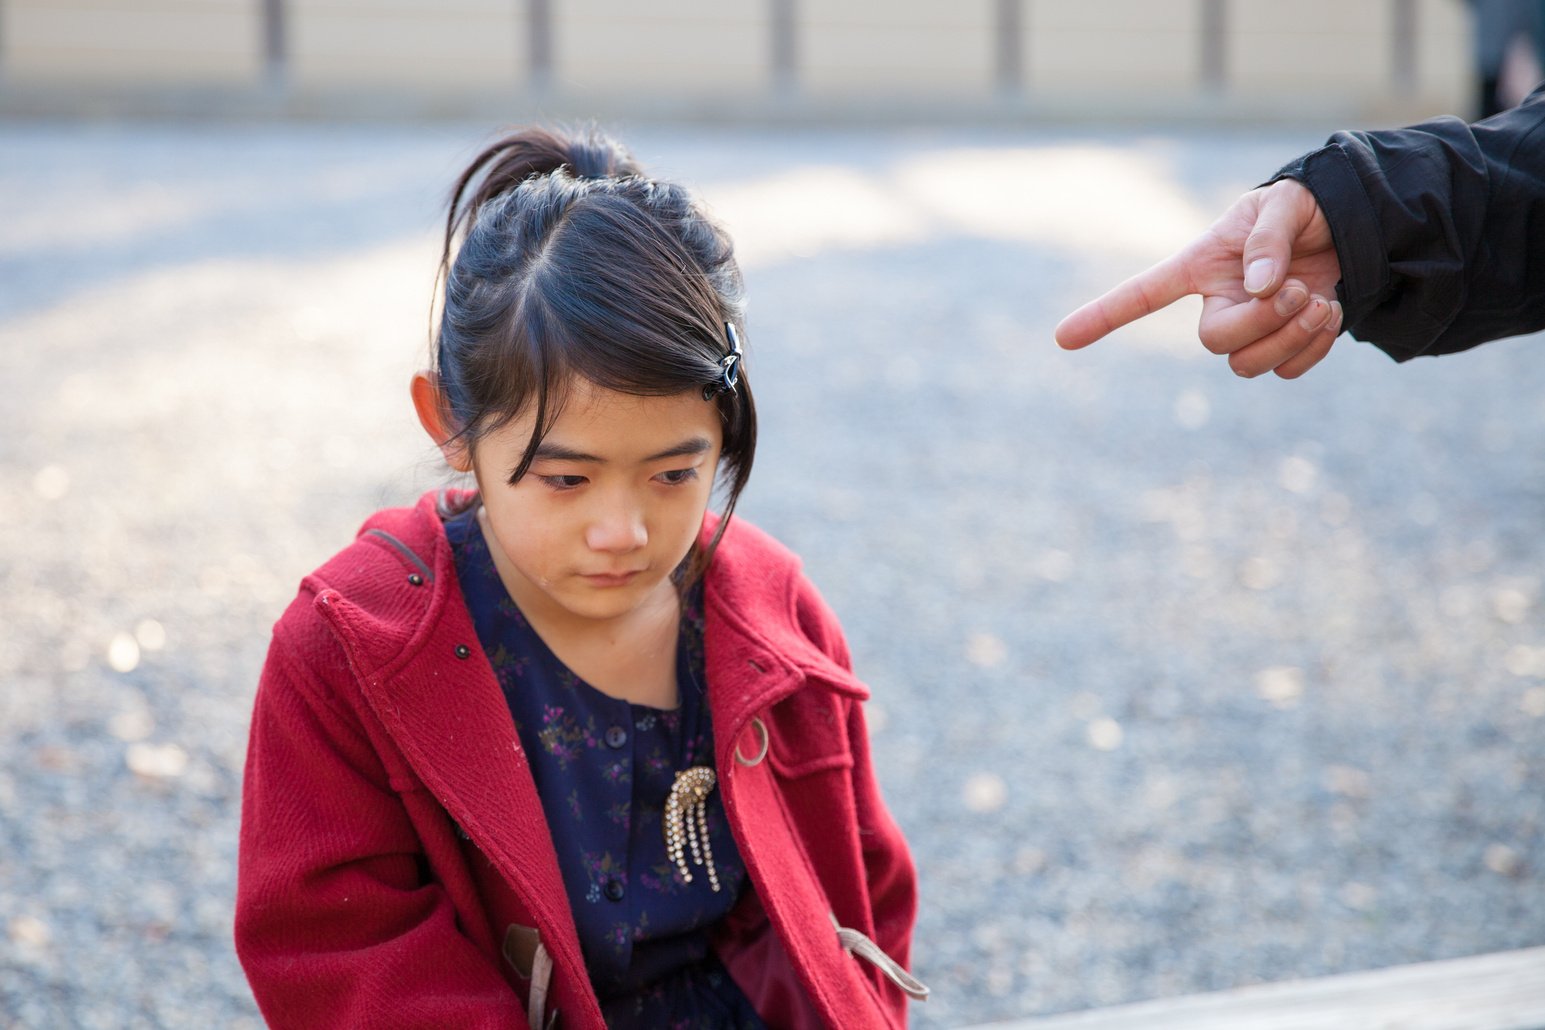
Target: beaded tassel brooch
[{"x": 686, "y": 822}]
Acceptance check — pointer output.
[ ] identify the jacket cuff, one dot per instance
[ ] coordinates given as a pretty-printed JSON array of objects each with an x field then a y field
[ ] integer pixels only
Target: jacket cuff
[{"x": 1329, "y": 174}]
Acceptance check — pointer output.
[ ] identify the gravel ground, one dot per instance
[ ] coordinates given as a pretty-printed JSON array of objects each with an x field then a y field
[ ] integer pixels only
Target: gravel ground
[{"x": 1181, "y": 682}]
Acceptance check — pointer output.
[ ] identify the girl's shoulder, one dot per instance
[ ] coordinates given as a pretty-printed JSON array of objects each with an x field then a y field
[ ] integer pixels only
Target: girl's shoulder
[
  {"x": 380, "y": 600},
  {"x": 408, "y": 540},
  {"x": 389, "y": 575},
  {"x": 746, "y": 545},
  {"x": 751, "y": 568},
  {"x": 762, "y": 581}
]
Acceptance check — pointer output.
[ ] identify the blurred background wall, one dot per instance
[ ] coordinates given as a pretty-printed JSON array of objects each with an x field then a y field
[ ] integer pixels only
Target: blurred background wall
[{"x": 1186, "y": 60}]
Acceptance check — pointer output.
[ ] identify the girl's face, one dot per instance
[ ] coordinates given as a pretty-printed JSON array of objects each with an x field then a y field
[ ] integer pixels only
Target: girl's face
[{"x": 608, "y": 509}]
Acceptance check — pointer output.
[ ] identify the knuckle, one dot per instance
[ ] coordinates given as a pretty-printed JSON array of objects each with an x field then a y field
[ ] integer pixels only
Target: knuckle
[
  {"x": 1262, "y": 237},
  {"x": 1290, "y": 372},
  {"x": 1314, "y": 318},
  {"x": 1212, "y": 339}
]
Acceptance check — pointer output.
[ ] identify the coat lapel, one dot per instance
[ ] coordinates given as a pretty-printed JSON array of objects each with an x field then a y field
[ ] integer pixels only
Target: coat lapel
[
  {"x": 415, "y": 654},
  {"x": 776, "y": 699}
]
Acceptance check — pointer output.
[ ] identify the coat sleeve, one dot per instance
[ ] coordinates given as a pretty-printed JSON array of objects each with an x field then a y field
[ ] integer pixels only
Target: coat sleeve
[
  {"x": 888, "y": 867},
  {"x": 1439, "y": 228},
  {"x": 337, "y": 922},
  {"x": 887, "y": 862}
]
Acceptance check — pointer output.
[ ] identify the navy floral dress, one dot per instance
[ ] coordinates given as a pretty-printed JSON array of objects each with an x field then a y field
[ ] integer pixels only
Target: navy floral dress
[{"x": 603, "y": 769}]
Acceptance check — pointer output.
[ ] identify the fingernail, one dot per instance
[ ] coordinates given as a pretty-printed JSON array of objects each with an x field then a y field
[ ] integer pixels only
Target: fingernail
[
  {"x": 1314, "y": 317},
  {"x": 1258, "y": 274},
  {"x": 1290, "y": 299}
]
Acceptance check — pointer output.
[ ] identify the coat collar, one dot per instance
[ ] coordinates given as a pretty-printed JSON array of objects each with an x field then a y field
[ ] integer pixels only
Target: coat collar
[
  {"x": 395, "y": 604},
  {"x": 753, "y": 593},
  {"x": 754, "y": 601}
]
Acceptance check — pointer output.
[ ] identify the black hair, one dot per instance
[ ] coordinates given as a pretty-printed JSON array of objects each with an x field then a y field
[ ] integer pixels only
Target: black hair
[{"x": 571, "y": 262}]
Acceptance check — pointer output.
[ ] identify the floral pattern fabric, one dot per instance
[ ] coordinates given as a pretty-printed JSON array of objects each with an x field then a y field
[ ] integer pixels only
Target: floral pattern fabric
[{"x": 603, "y": 769}]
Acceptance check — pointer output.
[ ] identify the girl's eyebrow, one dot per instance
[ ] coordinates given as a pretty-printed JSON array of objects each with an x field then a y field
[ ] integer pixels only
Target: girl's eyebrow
[
  {"x": 687, "y": 448},
  {"x": 558, "y": 452}
]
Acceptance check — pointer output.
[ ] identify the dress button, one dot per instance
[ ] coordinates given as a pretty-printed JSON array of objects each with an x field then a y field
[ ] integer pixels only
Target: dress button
[
  {"x": 615, "y": 890},
  {"x": 463, "y": 651},
  {"x": 416, "y": 580},
  {"x": 616, "y": 737}
]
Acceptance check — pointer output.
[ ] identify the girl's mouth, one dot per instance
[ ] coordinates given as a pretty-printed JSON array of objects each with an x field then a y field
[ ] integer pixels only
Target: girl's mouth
[{"x": 610, "y": 579}]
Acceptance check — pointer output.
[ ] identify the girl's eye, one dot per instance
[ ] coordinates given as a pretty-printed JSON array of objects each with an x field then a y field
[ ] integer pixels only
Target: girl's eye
[
  {"x": 563, "y": 482},
  {"x": 676, "y": 477}
]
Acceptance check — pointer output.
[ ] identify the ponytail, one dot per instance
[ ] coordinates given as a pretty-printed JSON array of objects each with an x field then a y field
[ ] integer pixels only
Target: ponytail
[{"x": 525, "y": 154}]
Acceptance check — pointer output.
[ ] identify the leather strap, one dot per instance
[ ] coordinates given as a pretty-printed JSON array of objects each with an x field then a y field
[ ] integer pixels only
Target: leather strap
[{"x": 860, "y": 946}]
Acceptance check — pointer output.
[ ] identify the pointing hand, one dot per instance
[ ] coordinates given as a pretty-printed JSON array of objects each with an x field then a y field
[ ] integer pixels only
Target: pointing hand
[{"x": 1266, "y": 271}]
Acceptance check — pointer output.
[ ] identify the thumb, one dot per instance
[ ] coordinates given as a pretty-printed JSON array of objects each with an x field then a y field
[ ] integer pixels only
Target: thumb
[{"x": 1285, "y": 212}]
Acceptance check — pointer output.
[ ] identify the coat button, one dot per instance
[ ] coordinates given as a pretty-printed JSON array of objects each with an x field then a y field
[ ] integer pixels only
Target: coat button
[
  {"x": 463, "y": 651},
  {"x": 615, "y": 890},
  {"x": 416, "y": 580},
  {"x": 616, "y": 737}
]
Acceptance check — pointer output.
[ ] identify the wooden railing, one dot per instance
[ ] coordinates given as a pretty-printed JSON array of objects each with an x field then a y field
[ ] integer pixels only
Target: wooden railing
[{"x": 1502, "y": 991}]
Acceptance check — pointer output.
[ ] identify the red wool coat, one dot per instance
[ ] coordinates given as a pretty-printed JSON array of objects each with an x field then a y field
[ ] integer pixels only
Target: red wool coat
[{"x": 396, "y": 869}]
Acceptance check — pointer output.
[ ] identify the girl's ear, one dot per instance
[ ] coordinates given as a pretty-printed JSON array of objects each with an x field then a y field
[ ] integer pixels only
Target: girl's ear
[{"x": 434, "y": 415}]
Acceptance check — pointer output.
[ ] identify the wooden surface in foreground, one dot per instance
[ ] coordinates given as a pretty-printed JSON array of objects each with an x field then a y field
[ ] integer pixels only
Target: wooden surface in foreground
[{"x": 1501, "y": 991}]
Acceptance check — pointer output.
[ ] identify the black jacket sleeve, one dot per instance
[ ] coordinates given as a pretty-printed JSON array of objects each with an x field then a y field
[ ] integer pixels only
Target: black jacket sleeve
[{"x": 1439, "y": 228}]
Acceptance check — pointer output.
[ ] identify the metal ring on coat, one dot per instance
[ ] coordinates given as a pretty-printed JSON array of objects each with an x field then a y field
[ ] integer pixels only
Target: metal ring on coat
[{"x": 761, "y": 728}]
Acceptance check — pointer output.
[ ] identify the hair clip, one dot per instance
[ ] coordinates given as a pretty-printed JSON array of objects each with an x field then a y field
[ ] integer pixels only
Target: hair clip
[{"x": 729, "y": 366}]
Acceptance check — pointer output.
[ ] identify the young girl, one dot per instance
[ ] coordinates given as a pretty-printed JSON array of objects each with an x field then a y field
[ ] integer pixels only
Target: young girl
[{"x": 570, "y": 749}]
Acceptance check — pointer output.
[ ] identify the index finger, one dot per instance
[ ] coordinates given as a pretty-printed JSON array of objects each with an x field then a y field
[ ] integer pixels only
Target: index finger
[{"x": 1143, "y": 294}]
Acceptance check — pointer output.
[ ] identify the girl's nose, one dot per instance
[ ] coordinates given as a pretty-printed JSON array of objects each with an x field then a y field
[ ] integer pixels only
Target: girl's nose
[{"x": 617, "y": 530}]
